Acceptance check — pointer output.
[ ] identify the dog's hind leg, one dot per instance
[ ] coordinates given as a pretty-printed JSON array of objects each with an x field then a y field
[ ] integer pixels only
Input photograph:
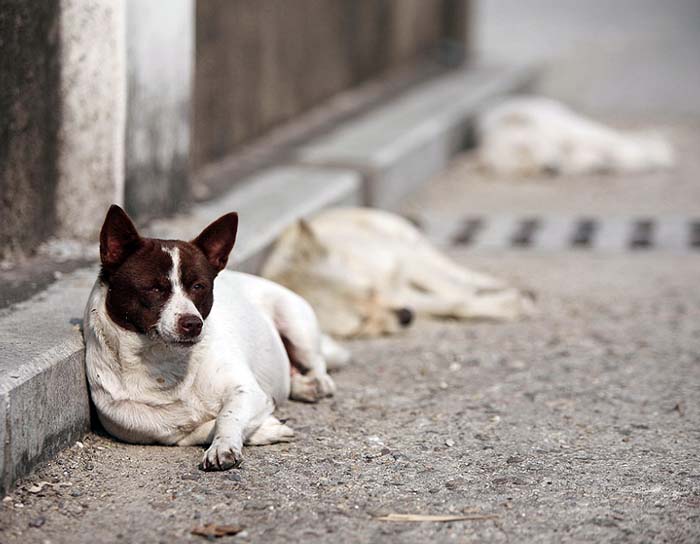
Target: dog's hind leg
[
  {"x": 271, "y": 431},
  {"x": 438, "y": 272},
  {"x": 297, "y": 325},
  {"x": 501, "y": 304}
]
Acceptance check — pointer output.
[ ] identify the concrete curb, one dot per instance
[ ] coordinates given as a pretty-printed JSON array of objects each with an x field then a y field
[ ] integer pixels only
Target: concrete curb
[
  {"x": 267, "y": 203},
  {"x": 43, "y": 393},
  {"x": 400, "y": 146},
  {"x": 44, "y": 404}
]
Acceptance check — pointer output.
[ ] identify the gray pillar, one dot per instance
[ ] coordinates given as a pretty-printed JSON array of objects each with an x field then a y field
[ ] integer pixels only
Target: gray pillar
[
  {"x": 160, "y": 58},
  {"x": 91, "y": 133}
]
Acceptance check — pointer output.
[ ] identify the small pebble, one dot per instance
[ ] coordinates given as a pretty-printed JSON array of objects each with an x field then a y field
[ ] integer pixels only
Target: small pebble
[{"x": 37, "y": 522}]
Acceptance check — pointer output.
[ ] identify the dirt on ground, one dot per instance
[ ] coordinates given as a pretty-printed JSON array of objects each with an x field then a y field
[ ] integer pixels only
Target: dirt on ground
[{"x": 581, "y": 424}]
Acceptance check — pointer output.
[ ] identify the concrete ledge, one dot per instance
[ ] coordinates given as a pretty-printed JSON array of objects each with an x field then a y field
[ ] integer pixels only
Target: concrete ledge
[
  {"x": 44, "y": 404},
  {"x": 400, "y": 146},
  {"x": 267, "y": 203},
  {"x": 43, "y": 393}
]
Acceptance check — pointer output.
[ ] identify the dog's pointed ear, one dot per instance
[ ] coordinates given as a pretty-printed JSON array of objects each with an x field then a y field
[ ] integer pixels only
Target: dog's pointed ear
[
  {"x": 118, "y": 238},
  {"x": 309, "y": 242},
  {"x": 216, "y": 241}
]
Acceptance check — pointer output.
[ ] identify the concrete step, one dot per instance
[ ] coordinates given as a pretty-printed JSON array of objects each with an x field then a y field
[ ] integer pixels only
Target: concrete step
[
  {"x": 267, "y": 203},
  {"x": 44, "y": 403},
  {"x": 401, "y": 145}
]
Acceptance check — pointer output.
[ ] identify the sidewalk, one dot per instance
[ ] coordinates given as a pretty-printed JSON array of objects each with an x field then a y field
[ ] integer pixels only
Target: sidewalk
[{"x": 578, "y": 425}]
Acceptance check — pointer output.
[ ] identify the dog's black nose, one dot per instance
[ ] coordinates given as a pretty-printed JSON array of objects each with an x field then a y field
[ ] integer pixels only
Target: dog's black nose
[
  {"x": 405, "y": 316},
  {"x": 190, "y": 325}
]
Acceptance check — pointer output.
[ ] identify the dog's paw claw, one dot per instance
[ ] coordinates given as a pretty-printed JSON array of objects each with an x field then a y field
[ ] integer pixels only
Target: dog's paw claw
[{"x": 221, "y": 457}]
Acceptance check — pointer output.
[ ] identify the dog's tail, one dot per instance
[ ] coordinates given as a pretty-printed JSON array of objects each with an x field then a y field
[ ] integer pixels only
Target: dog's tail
[{"x": 336, "y": 356}]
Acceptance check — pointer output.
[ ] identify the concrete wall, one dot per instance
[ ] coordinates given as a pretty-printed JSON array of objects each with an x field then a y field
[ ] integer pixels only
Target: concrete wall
[
  {"x": 61, "y": 119},
  {"x": 263, "y": 62},
  {"x": 621, "y": 58},
  {"x": 29, "y": 117},
  {"x": 160, "y": 59}
]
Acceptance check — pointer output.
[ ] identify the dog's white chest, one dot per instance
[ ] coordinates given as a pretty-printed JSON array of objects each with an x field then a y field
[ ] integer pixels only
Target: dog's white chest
[{"x": 183, "y": 387}]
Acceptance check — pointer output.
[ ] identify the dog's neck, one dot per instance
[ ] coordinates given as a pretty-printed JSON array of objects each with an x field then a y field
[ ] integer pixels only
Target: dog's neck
[{"x": 138, "y": 360}]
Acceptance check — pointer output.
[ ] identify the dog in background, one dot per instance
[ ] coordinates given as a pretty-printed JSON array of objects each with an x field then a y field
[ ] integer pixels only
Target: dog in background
[
  {"x": 367, "y": 272},
  {"x": 181, "y": 352},
  {"x": 527, "y": 136}
]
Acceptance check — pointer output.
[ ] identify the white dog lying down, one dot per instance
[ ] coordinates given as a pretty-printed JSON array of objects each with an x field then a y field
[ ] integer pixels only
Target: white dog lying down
[
  {"x": 180, "y": 351},
  {"x": 366, "y": 272},
  {"x": 529, "y": 136}
]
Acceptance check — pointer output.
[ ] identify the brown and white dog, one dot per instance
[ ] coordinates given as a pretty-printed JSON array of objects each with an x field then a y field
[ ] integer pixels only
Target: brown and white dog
[{"x": 181, "y": 351}]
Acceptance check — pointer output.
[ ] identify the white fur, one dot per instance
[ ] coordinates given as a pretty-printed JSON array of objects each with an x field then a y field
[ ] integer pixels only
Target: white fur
[
  {"x": 357, "y": 266},
  {"x": 178, "y": 304},
  {"x": 221, "y": 390},
  {"x": 530, "y": 135}
]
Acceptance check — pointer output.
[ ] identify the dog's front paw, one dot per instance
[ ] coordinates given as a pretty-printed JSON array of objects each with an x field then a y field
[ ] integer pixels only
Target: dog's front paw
[{"x": 221, "y": 455}]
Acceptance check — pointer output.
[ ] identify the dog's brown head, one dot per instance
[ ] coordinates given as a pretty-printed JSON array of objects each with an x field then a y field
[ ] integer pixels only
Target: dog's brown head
[{"x": 162, "y": 288}]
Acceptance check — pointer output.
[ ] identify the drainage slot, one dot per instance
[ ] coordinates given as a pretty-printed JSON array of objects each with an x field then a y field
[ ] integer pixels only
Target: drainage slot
[
  {"x": 468, "y": 231},
  {"x": 524, "y": 235},
  {"x": 642, "y": 234},
  {"x": 583, "y": 232},
  {"x": 695, "y": 234}
]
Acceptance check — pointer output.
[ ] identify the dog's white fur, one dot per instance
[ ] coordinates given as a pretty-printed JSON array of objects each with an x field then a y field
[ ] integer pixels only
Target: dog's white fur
[
  {"x": 178, "y": 304},
  {"x": 358, "y": 266},
  {"x": 222, "y": 389},
  {"x": 532, "y": 135}
]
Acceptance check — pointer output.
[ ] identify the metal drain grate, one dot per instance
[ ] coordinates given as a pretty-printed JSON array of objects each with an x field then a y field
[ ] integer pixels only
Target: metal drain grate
[
  {"x": 642, "y": 234},
  {"x": 695, "y": 234},
  {"x": 593, "y": 233},
  {"x": 525, "y": 232},
  {"x": 467, "y": 232},
  {"x": 584, "y": 232}
]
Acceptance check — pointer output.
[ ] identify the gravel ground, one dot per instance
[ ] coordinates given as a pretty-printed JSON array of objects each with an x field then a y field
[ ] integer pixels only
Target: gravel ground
[{"x": 579, "y": 425}]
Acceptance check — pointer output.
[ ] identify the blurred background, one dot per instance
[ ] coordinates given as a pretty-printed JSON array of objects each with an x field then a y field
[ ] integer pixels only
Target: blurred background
[
  {"x": 159, "y": 104},
  {"x": 621, "y": 58},
  {"x": 182, "y": 110}
]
